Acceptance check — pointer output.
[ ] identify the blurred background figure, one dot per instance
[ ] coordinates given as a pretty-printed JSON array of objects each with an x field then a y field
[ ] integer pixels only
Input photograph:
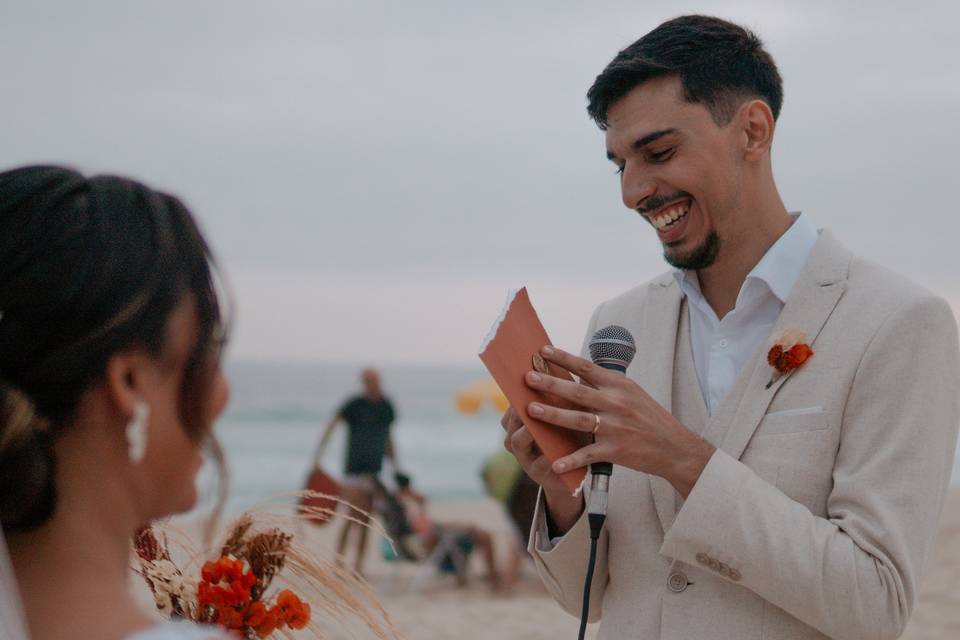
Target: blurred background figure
[
  {"x": 505, "y": 482},
  {"x": 447, "y": 544},
  {"x": 368, "y": 417}
]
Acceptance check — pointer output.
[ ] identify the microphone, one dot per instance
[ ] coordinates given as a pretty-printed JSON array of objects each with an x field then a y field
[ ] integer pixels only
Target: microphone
[{"x": 613, "y": 348}]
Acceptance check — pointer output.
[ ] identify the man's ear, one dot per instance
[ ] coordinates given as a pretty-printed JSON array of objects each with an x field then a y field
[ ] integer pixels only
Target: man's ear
[
  {"x": 126, "y": 379},
  {"x": 757, "y": 125}
]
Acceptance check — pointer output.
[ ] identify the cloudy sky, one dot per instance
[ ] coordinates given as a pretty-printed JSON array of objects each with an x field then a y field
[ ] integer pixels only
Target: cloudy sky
[{"x": 375, "y": 175}]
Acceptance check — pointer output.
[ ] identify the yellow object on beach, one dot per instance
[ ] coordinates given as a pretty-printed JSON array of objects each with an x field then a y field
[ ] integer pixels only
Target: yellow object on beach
[
  {"x": 471, "y": 398},
  {"x": 501, "y": 471}
]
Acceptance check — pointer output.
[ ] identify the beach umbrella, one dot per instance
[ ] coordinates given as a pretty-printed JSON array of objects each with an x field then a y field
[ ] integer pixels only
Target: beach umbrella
[{"x": 473, "y": 397}]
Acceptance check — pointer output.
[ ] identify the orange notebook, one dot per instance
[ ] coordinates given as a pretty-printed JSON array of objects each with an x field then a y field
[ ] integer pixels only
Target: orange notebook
[{"x": 508, "y": 354}]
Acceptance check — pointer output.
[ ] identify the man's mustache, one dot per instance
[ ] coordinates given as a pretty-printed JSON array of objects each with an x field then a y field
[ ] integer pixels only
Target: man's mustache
[{"x": 655, "y": 202}]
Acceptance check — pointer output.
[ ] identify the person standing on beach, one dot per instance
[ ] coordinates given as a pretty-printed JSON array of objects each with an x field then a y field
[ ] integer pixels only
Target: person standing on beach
[
  {"x": 369, "y": 417},
  {"x": 783, "y": 439}
]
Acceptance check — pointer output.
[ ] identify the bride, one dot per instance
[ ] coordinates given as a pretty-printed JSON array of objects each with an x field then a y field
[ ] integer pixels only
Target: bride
[{"x": 110, "y": 382}]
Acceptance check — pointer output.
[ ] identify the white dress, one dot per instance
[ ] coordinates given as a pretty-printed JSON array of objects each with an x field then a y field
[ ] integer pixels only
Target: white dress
[
  {"x": 12, "y": 626},
  {"x": 181, "y": 631}
]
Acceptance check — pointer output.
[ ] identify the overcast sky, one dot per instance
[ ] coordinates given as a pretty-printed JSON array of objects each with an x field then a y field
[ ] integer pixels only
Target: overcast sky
[{"x": 374, "y": 176}]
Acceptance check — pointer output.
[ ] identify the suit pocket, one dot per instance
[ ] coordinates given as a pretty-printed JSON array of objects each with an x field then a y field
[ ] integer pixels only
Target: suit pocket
[
  {"x": 795, "y": 412},
  {"x": 792, "y": 421}
]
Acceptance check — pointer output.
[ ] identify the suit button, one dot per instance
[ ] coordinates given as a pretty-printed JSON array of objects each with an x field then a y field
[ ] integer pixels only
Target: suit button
[
  {"x": 702, "y": 558},
  {"x": 677, "y": 582}
]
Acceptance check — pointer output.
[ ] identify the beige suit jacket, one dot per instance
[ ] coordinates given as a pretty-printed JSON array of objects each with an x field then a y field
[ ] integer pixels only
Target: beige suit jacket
[{"x": 818, "y": 511}]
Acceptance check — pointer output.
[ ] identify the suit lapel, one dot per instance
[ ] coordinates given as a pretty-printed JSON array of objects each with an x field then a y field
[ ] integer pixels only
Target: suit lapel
[
  {"x": 811, "y": 302},
  {"x": 660, "y": 317}
]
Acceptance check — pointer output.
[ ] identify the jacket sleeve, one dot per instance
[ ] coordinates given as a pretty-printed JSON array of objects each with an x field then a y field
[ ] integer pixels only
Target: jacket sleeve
[
  {"x": 855, "y": 573},
  {"x": 563, "y": 568}
]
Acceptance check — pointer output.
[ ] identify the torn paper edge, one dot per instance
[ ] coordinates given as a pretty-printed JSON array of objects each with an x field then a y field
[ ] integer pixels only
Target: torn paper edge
[
  {"x": 583, "y": 485},
  {"x": 511, "y": 296}
]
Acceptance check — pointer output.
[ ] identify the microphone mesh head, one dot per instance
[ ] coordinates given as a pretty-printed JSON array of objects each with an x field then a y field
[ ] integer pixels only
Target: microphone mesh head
[{"x": 612, "y": 347}]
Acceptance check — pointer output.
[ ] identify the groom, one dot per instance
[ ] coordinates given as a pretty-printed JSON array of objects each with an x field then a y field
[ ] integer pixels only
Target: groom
[{"x": 805, "y": 508}]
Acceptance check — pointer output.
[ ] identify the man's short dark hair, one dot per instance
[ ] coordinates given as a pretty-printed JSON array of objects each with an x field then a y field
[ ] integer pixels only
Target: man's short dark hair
[{"x": 720, "y": 65}]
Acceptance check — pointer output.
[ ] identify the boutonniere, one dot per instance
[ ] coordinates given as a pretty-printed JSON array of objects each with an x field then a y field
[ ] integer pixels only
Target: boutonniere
[{"x": 788, "y": 352}]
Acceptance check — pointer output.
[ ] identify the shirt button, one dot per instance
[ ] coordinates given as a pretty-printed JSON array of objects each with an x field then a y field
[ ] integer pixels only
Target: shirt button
[
  {"x": 723, "y": 343},
  {"x": 677, "y": 582}
]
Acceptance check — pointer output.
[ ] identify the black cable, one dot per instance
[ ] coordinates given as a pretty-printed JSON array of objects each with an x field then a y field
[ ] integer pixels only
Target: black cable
[
  {"x": 596, "y": 524},
  {"x": 586, "y": 589}
]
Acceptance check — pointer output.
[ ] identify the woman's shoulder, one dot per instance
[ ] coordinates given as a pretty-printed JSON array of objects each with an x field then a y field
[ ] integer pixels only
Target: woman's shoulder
[{"x": 180, "y": 631}]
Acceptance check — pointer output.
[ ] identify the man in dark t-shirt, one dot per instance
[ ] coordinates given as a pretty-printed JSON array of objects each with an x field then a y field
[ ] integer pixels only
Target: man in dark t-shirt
[
  {"x": 368, "y": 439},
  {"x": 368, "y": 417}
]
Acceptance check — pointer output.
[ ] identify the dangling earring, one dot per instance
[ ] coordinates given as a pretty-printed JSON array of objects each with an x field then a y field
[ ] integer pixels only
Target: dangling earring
[{"x": 137, "y": 432}]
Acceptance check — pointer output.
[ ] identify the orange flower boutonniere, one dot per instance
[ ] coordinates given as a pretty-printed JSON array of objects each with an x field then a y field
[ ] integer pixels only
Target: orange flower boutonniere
[{"x": 788, "y": 352}]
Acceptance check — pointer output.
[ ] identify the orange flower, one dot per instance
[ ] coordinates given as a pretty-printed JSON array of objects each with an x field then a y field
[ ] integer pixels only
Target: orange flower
[
  {"x": 256, "y": 614},
  {"x": 211, "y": 572},
  {"x": 296, "y": 613},
  {"x": 788, "y": 352},
  {"x": 287, "y": 599},
  {"x": 299, "y": 618},
  {"x": 229, "y": 618},
  {"x": 776, "y": 351},
  {"x": 798, "y": 354},
  {"x": 271, "y": 620}
]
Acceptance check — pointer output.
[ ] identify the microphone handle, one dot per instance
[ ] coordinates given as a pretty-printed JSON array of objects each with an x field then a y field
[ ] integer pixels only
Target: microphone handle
[
  {"x": 601, "y": 468},
  {"x": 606, "y": 468}
]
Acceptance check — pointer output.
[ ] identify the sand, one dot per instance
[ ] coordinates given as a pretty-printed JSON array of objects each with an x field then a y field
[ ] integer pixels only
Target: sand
[
  {"x": 937, "y": 612},
  {"x": 426, "y": 605}
]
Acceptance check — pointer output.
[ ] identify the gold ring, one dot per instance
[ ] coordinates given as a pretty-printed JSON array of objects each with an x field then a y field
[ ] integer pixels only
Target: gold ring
[{"x": 596, "y": 424}]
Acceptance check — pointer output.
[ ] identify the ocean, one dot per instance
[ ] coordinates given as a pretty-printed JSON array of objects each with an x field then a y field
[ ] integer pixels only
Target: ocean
[{"x": 278, "y": 411}]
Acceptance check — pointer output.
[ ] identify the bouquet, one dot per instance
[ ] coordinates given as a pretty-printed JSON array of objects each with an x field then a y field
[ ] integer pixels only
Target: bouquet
[{"x": 237, "y": 590}]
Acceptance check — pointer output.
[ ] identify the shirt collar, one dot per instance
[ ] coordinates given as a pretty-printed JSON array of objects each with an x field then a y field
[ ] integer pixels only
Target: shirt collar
[{"x": 779, "y": 268}]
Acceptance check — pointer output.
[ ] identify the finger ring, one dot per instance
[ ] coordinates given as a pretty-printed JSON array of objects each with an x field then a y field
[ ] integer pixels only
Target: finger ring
[{"x": 596, "y": 424}]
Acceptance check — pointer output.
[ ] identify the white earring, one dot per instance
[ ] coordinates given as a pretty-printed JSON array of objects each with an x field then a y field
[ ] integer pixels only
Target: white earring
[{"x": 137, "y": 432}]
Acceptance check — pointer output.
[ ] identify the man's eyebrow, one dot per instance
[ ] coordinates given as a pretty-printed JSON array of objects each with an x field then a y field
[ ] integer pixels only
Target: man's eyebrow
[{"x": 645, "y": 140}]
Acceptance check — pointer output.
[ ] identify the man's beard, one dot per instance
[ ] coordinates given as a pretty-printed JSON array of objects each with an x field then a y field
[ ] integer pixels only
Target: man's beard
[{"x": 698, "y": 258}]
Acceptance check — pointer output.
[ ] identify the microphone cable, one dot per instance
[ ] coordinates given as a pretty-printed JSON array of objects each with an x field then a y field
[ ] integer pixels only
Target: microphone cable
[{"x": 596, "y": 516}]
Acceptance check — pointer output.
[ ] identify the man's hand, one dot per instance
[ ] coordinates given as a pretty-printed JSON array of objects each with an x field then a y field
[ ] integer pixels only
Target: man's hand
[
  {"x": 564, "y": 509},
  {"x": 635, "y": 431}
]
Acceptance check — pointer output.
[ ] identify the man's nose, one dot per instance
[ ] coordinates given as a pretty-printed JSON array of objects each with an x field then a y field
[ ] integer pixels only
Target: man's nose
[{"x": 636, "y": 187}]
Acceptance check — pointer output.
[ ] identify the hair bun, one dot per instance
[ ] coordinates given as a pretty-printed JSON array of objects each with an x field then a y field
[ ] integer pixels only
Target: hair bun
[{"x": 26, "y": 462}]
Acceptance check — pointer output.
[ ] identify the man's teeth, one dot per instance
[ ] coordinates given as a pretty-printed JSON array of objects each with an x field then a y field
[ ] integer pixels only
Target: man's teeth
[{"x": 670, "y": 216}]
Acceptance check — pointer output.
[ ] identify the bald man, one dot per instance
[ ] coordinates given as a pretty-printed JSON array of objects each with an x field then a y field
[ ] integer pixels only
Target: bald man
[{"x": 369, "y": 417}]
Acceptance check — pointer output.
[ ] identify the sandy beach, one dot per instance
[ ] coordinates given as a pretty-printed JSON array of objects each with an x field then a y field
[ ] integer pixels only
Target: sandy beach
[
  {"x": 937, "y": 614},
  {"x": 427, "y": 605},
  {"x": 531, "y": 614}
]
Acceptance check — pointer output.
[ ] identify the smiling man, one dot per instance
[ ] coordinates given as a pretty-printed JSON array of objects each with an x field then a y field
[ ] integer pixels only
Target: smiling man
[{"x": 745, "y": 502}]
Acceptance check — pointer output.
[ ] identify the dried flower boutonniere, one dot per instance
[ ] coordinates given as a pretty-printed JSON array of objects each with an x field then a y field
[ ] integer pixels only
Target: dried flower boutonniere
[{"x": 788, "y": 352}]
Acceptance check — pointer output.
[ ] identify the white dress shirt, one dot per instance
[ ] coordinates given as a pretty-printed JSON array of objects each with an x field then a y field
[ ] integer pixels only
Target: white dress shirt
[{"x": 722, "y": 346}]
